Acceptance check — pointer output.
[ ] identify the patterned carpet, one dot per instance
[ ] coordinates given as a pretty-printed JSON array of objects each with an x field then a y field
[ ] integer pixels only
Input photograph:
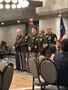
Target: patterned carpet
[{"x": 21, "y": 80}]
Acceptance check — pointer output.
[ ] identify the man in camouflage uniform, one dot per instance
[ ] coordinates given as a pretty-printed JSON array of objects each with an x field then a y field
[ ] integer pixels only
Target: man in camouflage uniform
[
  {"x": 41, "y": 41},
  {"x": 33, "y": 45},
  {"x": 17, "y": 47},
  {"x": 50, "y": 38},
  {"x": 25, "y": 52}
]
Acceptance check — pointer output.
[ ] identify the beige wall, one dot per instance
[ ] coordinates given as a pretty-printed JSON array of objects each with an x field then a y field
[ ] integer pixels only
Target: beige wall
[
  {"x": 54, "y": 2},
  {"x": 8, "y": 33},
  {"x": 54, "y": 22}
]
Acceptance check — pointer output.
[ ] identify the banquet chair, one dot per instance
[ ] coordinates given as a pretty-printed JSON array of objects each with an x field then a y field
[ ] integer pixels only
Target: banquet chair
[
  {"x": 37, "y": 79},
  {"x": 49, "y": 73},
  {"x": 0, "y": 80},
  {"x": 7, "y": 75}
]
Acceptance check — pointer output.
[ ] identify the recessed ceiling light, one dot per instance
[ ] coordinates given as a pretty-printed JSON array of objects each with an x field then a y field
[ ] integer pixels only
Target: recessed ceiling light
[
  {"x": 2, "y": 23},
  {"x": 14, "y": 1},
  {"x": 13, "y": 6},
  {"x": 18, "y": 6},
  {"x": 24, "y": 4},
  {"x": 31, "y": 19},
  {"x": 1, "y": 6},
  {"x": 1, "y": 1},
  {"x": 7, "y": 6},
  {"x": 20, "y": 1},
  {"x": 18, "y": 21},
  {"x": 59, "y": 15},
  {"x": 7, "y": 1}
]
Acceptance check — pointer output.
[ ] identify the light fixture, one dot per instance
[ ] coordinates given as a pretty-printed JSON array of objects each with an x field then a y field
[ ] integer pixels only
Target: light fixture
[
  {"x": 13, "y": 6},
  {"x": 1, "y": 6},
  {"x": 7, "y": 6},
  {"x": 14, "y": 1},
  {"x": 1, "y": 1},
  {"x": 20, "y": 1},
  {"x": 25, "y": 3},
  {"x": 31, "y": 19},
  {"x": 59, "y": 14},
  {"x": 18, "y": 6},
  {"x": 18, "y": 21},
  {"x": 2, "y": 23},
  {"x": 7, "y": 1}
]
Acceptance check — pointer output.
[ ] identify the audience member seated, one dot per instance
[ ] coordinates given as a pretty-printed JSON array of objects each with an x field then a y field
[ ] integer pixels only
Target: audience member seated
[
  {"x": 3, "y": 46},
  {"x": 3, "y": 49},
  {"x": 61, "y": 60},
  {"x": 51, "y": 51},
  {"x": 58, "y": 45}
]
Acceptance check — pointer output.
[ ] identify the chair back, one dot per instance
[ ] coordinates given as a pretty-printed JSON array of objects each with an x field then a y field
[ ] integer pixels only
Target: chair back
[
  {"x": 34, "y": 67},
  {"x": 7, "y": 76},
  {"x": 3, "y": 63},
  {"x": 49, "y": 71},
  {"x": 0, "y": 80},
  {"x": 40, "y": 58}
]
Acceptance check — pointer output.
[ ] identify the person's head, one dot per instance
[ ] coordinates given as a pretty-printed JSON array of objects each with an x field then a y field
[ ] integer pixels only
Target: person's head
[
  {"x": 58, "y": 43},
  {"x": 25, "y": 32},
  {"x": 3, "y": 43},
  {"x": 52, "y": 50},
  {"x": 49, "y": 29},
  {"x": 64, "y": 45},
  {"x": 41, "y": 33},
  {"x": 18, "y": 31},
  {"x": 34, "y": 30}
]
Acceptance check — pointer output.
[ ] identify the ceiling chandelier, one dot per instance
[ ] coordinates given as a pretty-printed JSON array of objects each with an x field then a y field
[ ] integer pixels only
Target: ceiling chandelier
[{"x": 7, "y": 4}]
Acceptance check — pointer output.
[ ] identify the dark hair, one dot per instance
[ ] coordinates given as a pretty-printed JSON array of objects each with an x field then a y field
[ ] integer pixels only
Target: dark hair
[
  {"x": 25, "y": 32},
  {"x": 35, "y": 27},
  {"x": 3, "y": 42},
  {"x": 51, "y": 50},
  {"x": 64, "y": 45}
]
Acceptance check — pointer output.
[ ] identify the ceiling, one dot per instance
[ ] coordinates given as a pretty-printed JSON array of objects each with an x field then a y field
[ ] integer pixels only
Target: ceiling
[{"x": 11, "y": 16}]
